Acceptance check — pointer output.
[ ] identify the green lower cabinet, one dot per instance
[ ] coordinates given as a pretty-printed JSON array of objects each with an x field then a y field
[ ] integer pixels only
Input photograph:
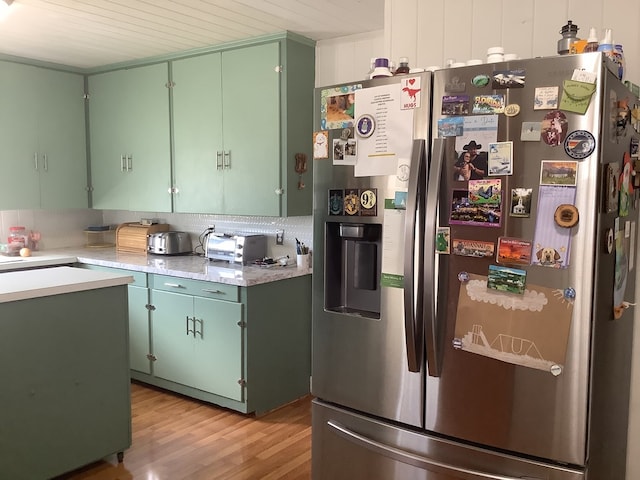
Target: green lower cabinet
[
  {"x": 138, "y": 295},
  {"x": 197, "y": 342}
]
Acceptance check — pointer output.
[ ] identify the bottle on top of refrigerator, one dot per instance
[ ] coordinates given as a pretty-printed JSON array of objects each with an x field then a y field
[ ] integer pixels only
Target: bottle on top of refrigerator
[
  {"x": 381, "y": 68},
  {"x": 403, "y": 68},
  {"x": 592, "y": 41}
]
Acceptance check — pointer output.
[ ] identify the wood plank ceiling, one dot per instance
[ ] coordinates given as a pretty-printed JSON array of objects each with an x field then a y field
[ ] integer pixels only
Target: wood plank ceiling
[{"x": 91, "y": 33}]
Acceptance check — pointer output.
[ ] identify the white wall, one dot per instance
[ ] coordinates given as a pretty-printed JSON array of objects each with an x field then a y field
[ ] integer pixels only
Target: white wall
[{"x": 429, "y": 32}]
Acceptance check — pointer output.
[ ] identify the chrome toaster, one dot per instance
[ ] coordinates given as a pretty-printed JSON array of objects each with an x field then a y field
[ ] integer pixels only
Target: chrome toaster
[
  {"x": 236, "y": 248},
  {"x": 169, "y": 243}
]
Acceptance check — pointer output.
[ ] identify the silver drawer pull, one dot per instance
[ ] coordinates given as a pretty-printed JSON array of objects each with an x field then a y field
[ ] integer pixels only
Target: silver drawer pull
[
  {"x": 174, "y": 285},
  {"x": 206, "y": 290}
]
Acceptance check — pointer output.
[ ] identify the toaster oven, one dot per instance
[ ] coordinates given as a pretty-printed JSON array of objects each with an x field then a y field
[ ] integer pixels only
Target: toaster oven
[{"x": 233, "y": 248}]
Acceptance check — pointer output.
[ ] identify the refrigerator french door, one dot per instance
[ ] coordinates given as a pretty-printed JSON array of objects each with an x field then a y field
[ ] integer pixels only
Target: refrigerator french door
[{"x": 496, "y": 403}]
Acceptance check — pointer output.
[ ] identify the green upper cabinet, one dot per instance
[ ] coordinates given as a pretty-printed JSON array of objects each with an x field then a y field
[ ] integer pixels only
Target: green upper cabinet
[
  {"x": 130, "y": 142},
  {"x": 42, "y": 131},
  {"x": 240, "y": 116}
]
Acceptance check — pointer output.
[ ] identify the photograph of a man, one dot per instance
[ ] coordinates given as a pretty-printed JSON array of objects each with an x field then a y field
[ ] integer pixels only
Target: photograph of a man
[{"x": 472, "y": 163}]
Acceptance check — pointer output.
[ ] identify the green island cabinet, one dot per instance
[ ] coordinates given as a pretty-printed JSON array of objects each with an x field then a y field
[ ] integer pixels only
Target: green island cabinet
[
  {"x": 65, "y": 392},
  {"x": 240, "y": 118},
  {"x": 129, "y": 138},
  {"x": 244, "y": 348},
  {"x": 42, "y": 132}
]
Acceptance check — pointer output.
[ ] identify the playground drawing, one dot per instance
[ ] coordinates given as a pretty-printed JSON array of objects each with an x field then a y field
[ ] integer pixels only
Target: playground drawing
[{"x": 531, "y": 330}]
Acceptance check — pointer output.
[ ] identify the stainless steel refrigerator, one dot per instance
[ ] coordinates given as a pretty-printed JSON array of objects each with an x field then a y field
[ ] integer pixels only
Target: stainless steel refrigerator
[{"x": 473, "y": 285}]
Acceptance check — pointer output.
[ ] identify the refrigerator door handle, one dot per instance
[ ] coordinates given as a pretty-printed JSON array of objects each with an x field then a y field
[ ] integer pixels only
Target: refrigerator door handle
[
  {"x": 431, "y": 223},
  {"x": 409, "y": 458},
  {"x": 413, "y": 236}
]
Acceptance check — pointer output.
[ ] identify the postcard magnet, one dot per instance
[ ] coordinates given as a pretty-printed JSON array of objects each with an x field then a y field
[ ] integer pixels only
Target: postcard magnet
[
  {"x": 566, "y": 216},
  {"x": 443, "y": 240},
  {"x": 509, "y": 79},
  {"x": 545, "y": 98},
  {"x": 579, "y": 144},
  {"x": 514, "y": 251},
  {"x": 506, "y": 279},
  {"x": 500, "y": 159},
  {"x": 521, "y": 202},
  {"x": 368, "y": 202},
  {"x": 455, "y": 105},
  {"x": 488, "y": 104},
  {"x": 473, "y": 248}
]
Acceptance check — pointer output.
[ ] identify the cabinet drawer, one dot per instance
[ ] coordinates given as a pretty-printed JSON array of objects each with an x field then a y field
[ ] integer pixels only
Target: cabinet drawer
[
  {"x": 139, "y": 278},
  {"x": 197, "y": 288}
]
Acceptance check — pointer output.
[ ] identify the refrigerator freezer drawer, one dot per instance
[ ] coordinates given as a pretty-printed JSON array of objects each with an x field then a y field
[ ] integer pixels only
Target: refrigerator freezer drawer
[{"x": 350, "y": 446}]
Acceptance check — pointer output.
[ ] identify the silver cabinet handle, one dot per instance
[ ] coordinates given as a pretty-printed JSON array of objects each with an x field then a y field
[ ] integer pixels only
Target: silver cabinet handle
[
  {"x": 206, "y": 290},
  {"x": 227, "y": 159},
  {"x": 197, "y": 332},
  {"x": 122, "y": 163},
  {"x": 35, "y": 160},
  {"x": 411, "y": 458},
  {"x": 46, "y": 162},
  {"x": 129, "y": 163},
  {"x": 219, "y": 163},
  {"x": 173, "y": 285},
  {"x": 191, "y": 330}
]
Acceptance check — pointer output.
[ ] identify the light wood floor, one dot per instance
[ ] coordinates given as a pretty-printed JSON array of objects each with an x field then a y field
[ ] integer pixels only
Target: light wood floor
[{"x": 175, "y": 438}]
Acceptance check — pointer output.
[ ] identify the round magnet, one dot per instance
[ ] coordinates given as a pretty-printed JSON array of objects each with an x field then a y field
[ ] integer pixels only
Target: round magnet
[
  {"x": 365, "y": 125},
  {"x": 481, "y": 80},
  {"x": 579, "y": 144},
  {"x": 512, "y": 110},
  {"x": 608, "y": 238},
  {"x": 566, "y": 215},
  {"x": 569, "y": 293},
  {"x": 457, "y": 343},
  {"x": 368, "y": 199},
  {"x": 555, "y": 370},
  {"x": 463, "y": 277}
]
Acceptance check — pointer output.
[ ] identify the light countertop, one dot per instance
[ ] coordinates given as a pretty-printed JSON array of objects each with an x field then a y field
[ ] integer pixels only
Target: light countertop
[
  {"x": 37, "y": 259},
  {"x": 185, "y": 266},
  {"x": 27, "y": 284}
]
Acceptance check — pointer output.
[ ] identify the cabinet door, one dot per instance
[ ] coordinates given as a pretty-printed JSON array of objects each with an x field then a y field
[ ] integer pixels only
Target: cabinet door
[
  {"x": 19, "y": 187},
  {"x": 139, "y": 329},
  {"x": 251, "y": 109},
  {"x": 129, "y": 132},
  {"x": 218, "y": 348},
  {"x": 197, "y": 126},
  {"x": 173, "y": 340},
  {"x": 62, "y": 162}
]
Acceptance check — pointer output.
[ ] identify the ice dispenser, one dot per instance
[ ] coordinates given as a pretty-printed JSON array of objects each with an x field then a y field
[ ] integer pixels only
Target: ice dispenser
[{"x": 352, "y": 268}]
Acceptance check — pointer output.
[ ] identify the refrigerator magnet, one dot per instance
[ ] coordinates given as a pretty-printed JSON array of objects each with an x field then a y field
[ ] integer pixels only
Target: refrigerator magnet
[
  {"x": 481, "y": 81},
  {"x": 351, "y": 202},
  {"x": 554, "y": 128},
  {"x": 500, "y": 159},
  {"x": 530, "y": 131},
  {"x": 336, "y": 202},
  {"x": 450, "y": 127},
  {"x": 443, "y": 240},
  {"x": 368, "y": 202},
  {"x": 455, "y": 105},
  {"x": 512, "y": 110},
  {"x": 509, "y": 79},
  {"x": 558, "y": 173},
  {"x": 566, "y": 216},
  {"x": 545, "y": 98},
  {"x": 320, "y": 145},
  {"x": 506, "y": 279},
  {"x": 488, "y": 104},
  {"x": 521, "y": 202},
  {"x": 514, "y": 251},
  {"x": 365, "y": 125},
  {"x": 473, "y": 248},
  {"x": 579, "y": 144}
]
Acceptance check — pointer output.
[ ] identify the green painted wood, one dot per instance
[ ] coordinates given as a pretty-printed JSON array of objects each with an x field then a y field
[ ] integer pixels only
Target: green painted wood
[
  {"x": 187, "y": 286},
  {"x": 65, "y": 372},
  {"x": 197, "y": 120},
  {"x": 218, "y": 358},
  {"x": 173, "y": 345},
  {"x": 42, "y": 117},
  {"x": 139, "y": 334},
  {"x": 129, "y": 116},
  {"x": 61, "y": 137},
  {"x": 251, "y": 106},
  {"x": 197, "y": 342}
]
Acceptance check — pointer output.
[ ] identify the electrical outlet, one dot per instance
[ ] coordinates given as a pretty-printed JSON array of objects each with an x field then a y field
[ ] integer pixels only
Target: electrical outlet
[{"x": 279, "y": 237}]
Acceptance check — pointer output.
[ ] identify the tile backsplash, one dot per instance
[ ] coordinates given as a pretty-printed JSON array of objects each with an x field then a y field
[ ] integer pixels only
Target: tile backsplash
[{"x": 65, "y": 228}]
